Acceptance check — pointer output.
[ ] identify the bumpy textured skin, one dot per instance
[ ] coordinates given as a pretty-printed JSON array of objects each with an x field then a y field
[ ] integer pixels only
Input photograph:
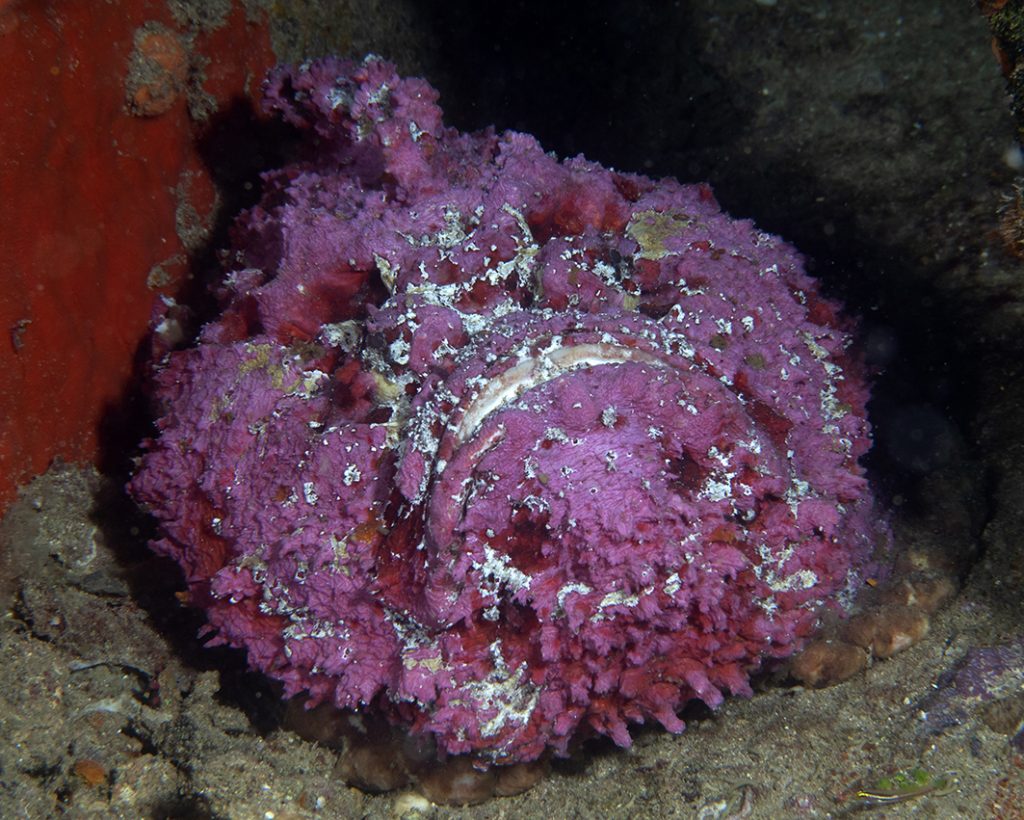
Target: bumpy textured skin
[{"x": 508, "y": 448}]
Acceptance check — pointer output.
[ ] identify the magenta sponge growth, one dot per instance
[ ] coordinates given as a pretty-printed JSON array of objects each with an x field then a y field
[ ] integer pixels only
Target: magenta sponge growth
[{"x": 509, "y": 449}]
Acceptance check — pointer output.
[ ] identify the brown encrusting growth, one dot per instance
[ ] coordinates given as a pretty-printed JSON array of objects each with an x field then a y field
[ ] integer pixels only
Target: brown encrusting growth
[
  {"x": 896, "y": 617},
  {"x": 158, "y": 70}
]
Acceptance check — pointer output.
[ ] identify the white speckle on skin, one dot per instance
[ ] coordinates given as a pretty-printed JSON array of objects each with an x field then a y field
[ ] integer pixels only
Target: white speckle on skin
[
  {"x": 497, "y": 570},
  {"x": 510, "y": 694},
  {"x": 567, "y": 590},
  {"x": 718, "y": 489},
  {"x": 309, "y": 493},
  {"x": 399, "y": 351},
  {"x": 797, "y": 491}
]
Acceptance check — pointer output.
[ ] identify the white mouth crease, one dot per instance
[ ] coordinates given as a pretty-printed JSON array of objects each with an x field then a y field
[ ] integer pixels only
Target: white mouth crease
[{"x": 533, "y": 372}]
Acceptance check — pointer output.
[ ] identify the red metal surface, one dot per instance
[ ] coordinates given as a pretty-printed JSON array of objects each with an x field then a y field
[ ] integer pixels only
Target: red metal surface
[{"x": 88, "y": 195}]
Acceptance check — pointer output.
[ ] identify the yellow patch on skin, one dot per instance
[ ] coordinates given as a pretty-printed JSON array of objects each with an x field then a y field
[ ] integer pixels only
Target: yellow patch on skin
[{"x": 650, "y": 229}]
